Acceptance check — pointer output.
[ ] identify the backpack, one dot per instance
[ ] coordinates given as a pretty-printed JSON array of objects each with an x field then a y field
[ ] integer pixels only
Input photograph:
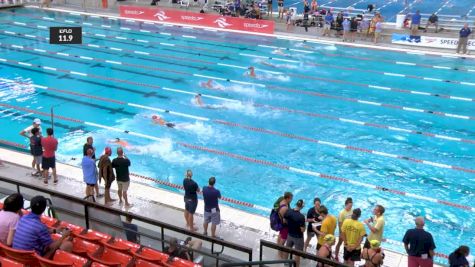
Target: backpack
[{"x": 276, "y": 223}]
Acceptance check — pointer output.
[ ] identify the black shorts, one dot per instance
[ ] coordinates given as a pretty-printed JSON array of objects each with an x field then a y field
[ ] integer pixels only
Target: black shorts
[
  {"x": 281, "y": 4},
  {"x": 190, "y": 205},
  {"x": 91, "y": 185},
  {"x": 108, "y": 182},
  {"x": 354, "y": 255},
  {"x": 48, "y": 163}
]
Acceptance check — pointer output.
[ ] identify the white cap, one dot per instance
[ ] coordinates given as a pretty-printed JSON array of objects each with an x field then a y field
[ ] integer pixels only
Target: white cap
[{"x": 37, "y": 121}]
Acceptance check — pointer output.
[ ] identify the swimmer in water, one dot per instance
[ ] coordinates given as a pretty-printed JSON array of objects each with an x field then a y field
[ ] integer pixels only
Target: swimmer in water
[
  {"x": 279, "y": 52},
  {"x": 211, "y": 84},
  {"x": 198, "y": 101},
  {"x": 159, "y": 120},
  {"x": 267, "y": 63},
  {"x": 119, "y": 142},
  {"x": 251, "y": 73}
]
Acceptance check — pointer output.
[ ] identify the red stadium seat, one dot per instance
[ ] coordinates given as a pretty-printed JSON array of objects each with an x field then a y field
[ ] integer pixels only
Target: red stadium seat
[
  {"x": 74, "y": 228},
  {"x": 82, "y": 247},
  {"x": 177, "y": 262},
  {"x": 44, "y": 262},
  {"x": 151, "y": 255},
  {"x": 1, "y": 206},
  {"x": 143, "y": 263},
  {"x": 121, "y": 245},
  {"x": 63, "y": 256},
  {"x": 48, "y": 221},
  {"x": 97, "y": 264},
  {"x": 21, "y": 256},
  {"x": 4, "y": 262},
  {"x": 93, "y": 236},
  {"x": 110, "y": 257}
]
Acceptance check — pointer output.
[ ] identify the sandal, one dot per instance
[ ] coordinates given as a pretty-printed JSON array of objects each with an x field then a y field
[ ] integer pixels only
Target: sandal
[
  {"x": 45, "y": 181},
  {"x": 55, "y": 182}
]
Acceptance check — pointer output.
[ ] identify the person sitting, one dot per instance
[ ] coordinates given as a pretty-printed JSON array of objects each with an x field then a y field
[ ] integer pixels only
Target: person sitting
[
  {"x": 32, "y": 234},
  {"x": 131, "y": 230},
  {"x": 458, "y": 258},
  {"x": 373, "y": 256},
  {"x": 433, "y": 20},
  {"x": 325, "y": 250},
  {"x": 159, "y": 120},
  {"x": 9, "y": 217},
  {"x": 182, "y": 250}
]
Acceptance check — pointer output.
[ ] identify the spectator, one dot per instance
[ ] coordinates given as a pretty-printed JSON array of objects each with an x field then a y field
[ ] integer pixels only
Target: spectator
[
  {"x": 121, "y": 165},
  {"x": 342, "y": 216},
  {"x": 314, "y": 6},
  {"x": 419, "y": 245},
  {"x": 375, "y": 225},
  {"x": 36, "y": 150},
  {"x": 237, "y": 7},
  {"x": 352, "y": 232},
  {"x": 328, "y": 226},
  {"x": 269, "y": 8},
  {"x": 433, "y": 20},
  {"x": 296, "y": 223},
  {"x": 211, "y": 196},
  {"x": 32, "y": 234},
  {"x": 89, "y": 172},
  {"x": 28, "y": 134},
  {"x": 463, "y": 39},
  {"x": 89, "y": 145},
  {"x": 458, "y": 258},
  {"x": 106, "y": 173},
  {"x": 415, "y": 22},
  {"x": 280, "y": 9},
  {"x": 306, "y": 6},
  {"x": 50, "y": 145},
  {"x": 374, "y": 21},
  {"x": 373, "y": 255},
  {"x": 305, "y": 21},
  {"x": 282, "y": 208},
  {"x": 325, "y": 250},
  {"x": 377, "y": 31},
  {"x": 191, "y": 199},
  {"x": 328, "y": 24},
  {"x": 339, "y": 24},
  {"x": 353, "y": 29},
  {"x": 182, "y": 250},
  {"x": 288, "y": 19},
  {"x": 131, "y": 230},
  {"x": 364, "y": 28},
  {"x": 9, "y": 217},
  {"x": 346, "y": 30},
  {"x": 313, "y": 217}
]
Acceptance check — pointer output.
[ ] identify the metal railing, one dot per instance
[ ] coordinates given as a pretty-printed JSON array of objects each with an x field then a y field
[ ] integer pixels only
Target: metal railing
[
  {"x": 292, "y": 252},
  {"x": 87, "y": 205},
  {"x": 290, "y": 263}
]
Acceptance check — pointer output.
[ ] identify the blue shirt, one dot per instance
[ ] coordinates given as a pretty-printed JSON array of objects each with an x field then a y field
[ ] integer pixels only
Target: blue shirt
[
  {"x": 465, "y": 32},
  {"x": 416, "y": 19},
  {"x": 89, "y": 170},
  {"x": 32, "y": 234},
  {"x": 329, "y": 18},
  {"x": 210, "y": 197}
]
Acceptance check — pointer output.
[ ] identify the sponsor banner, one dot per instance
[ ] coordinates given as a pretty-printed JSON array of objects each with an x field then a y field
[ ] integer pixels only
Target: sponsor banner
[
  {"x": 427, "y": 41},
  {"x": 192, "y": 18}
]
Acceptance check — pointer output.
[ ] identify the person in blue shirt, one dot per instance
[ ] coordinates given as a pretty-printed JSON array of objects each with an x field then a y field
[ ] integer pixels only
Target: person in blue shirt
[
  {"x": 415, "y": 22},
  {"x": 346, "y": 30},
  {"x": 463, "y": 39},
  {"x": 328, "y": 23},
  {"x": 89, "y": 172},
  {"x": 211, "y": 195}
]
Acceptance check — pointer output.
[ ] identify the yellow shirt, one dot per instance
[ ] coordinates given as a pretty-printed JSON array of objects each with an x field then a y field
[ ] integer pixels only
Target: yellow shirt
[
  {"x": 379, "y": 225},
  {"x": 328, "y": 227},
  {"x": 344, "y": 214},
  {"x": 353, "y": 230}
]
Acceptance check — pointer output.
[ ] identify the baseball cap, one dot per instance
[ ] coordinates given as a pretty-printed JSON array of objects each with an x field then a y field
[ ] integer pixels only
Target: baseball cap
[{"x": 37, "y": 121}]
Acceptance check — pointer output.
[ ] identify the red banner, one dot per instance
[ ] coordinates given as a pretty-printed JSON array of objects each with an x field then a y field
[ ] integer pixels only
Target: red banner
[{"x": 200, "y": 19}]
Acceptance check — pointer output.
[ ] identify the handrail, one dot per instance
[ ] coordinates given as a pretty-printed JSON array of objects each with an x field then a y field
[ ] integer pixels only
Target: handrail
[
  {"x": 260, "y": 263},
  {"x": 291, "y": 251},
  {"x": 116, "y": 211}
]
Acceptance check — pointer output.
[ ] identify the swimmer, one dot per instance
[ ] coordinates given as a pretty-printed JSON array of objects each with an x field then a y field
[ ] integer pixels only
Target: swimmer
[
  {"x": 251, "y": 73},
  {"x": 211, "y": 84},
  {"x": 279, "y": 52},
  {"x": 119, "y": 142},
  {"x": 198, "y": 100},
  {"x": 159, "y": 120},
  {"x": 267, "y": 63}
]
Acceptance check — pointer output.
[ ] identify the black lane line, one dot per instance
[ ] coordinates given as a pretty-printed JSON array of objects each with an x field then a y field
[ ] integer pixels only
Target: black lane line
[
  {"x": 29, "y": 69},
  {"x": 110, "y": 110},
  {"x": 196, "y": 54},
  {"x": 44, "y": 55},
  {"x": 145, "y": 94},
  {"x": 47, "y": 122},
  {"x": 171, "y": 63},
  {"x": 175, "y": 80}
]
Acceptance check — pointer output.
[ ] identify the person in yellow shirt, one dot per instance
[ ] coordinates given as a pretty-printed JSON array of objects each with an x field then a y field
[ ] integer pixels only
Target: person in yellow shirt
[
  {"x": 344, "y": 214},
  {"x": 352, "y": 233},
  {"x": 375, "y": 225},
  {"x": 327, "y": 228}
]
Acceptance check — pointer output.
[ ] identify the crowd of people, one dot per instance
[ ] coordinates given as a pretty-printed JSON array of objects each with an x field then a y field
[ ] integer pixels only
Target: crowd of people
[{"x": 359, "y": 243}]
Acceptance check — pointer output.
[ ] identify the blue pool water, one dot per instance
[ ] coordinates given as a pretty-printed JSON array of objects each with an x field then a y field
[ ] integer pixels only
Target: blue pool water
[{"x": 135, "y": 70}]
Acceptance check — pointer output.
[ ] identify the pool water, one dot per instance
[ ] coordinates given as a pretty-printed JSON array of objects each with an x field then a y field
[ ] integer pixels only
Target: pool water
[{"x": 398, "y": 127}]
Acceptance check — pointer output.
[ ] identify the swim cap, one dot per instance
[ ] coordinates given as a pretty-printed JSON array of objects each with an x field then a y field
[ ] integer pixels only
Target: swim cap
[
  {"x": 375, "y": 243},
  {"x": 37, "y": 121},
  {"x": 154, "y": 117},
  {"x": 329, "y": 238},
  {"x": 107, "y": 150}
]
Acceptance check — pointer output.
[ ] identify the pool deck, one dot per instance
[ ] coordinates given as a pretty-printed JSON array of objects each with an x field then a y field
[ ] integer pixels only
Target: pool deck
[{"x": 237, "y": 226}]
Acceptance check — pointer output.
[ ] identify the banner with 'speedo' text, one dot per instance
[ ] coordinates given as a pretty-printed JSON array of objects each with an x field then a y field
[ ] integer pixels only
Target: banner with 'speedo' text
[{"x": 199, "y": 19}]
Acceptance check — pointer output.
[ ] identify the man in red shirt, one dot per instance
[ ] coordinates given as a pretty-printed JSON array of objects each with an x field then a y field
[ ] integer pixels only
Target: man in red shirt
[{"x": 50, "y": 144}]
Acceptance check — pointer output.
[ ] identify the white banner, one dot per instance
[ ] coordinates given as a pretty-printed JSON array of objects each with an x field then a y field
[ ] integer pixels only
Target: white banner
[{"x": 427, "y": 41}]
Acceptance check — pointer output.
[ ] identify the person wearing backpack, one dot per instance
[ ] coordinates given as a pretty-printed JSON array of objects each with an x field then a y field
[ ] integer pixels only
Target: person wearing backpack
[{"x": 282, "y": 209}]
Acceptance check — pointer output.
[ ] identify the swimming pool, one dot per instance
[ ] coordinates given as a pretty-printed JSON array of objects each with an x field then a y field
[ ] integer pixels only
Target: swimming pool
[{"x": 319, "y": 120}]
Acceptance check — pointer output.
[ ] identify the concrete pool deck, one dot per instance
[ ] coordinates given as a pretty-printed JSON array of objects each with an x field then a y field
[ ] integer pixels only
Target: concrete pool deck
[{"x": 238, "y": 226}]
